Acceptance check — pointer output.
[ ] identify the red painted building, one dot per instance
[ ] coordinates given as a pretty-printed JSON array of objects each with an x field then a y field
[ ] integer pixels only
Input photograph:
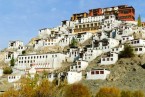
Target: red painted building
[{"x": 122, "y": 12}]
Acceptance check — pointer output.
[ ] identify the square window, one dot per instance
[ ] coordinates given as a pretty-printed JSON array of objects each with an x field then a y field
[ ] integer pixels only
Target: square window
[
  {"x": 136, "y": 49},
  {"x": 140, "y": 49},
  {"x": 107, "y": 59},
  {"x": 111, "y": 59},
  {"x": 103, "y": 59},
  {"x": 97, "y": 72},
  {"x": 92, "y": 72},
  {"x": 101, "y": 72}
]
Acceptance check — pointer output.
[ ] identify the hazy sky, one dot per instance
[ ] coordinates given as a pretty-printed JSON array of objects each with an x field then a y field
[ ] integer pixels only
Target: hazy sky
[{"x": 21, "y": 19}]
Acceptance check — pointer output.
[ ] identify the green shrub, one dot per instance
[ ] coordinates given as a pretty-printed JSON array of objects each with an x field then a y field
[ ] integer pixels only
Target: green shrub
[
  {"x": 23, "y": 52},
  {"x": 7, "y": 70},
  {"x": 127, "y": 52},
  {"x": 12, "y": 62}
]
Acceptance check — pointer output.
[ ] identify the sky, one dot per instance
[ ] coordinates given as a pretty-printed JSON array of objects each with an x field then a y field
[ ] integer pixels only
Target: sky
[{"x": 22, "y": 19}]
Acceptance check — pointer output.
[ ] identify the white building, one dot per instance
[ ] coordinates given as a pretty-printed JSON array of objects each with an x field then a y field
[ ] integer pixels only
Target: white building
[
  {"x": 91, "y": 19},
  {"x": 32, "y": 71},
  {"x": 54, "y": 60},
  {"x": 44, "y": 32},
  {"x": 53, "y": 41},
  {"x": 126, "y": 38},
  {"x": 21, "y": 48},
  {"x": 15, "y": 44},
  {"x": 100, "y": 36},
  {"x": 72, "y": 54},
  {"x": 118, "y": 49},
  {"x": 82, "y": 37},
  {"x": 38, "y": 43},
  {"x": 96, "y": 74},
  {"x": 106, "y": 44},
  {"x": 109, "y": 58},
  {"x": 74, "y": 77},
  {"x": 10, "y": 55},
  {"x": 13, "y": 78},
  {"x": 124, "y": 30},
  {"x": 139, "y": 50},
  {"x": 79, "y": 65},
  {"x": 137, "y": 42},
  {"x": 90, "y": 54},
  {"x": 66, "y": 40}
]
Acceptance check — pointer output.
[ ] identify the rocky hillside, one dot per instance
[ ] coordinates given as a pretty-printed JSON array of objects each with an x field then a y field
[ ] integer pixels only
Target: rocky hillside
[{"x": 127, "y": 73}]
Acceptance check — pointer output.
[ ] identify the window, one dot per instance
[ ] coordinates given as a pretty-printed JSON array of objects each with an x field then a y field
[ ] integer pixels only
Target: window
[
  {"x": 101, "y": 72},
  {"x": 136, "y": 49},
  {"x": 103, "y": 59},
  {"x": 92, "y": 72},
  {"x": 107, "y": 59},
  {"x": 111, "y": 59},
  {"x": 79, "y": 66},
  {"x": 138, "y": 41},
  {"x": 79, "y": 63},
  {"x": 97, "y": 72},
  {"x": 140, "y": 49}
]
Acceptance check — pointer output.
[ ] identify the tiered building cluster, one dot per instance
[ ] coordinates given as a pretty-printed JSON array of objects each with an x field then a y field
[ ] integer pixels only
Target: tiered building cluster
[{"x": 107, "y": 28}]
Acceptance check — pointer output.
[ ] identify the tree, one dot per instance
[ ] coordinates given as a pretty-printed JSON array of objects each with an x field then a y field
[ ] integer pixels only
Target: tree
[
  {"x": 23, "y": 52},
  {"x": 76, "y": 90},
  {"x": 7, "y": 70},
  {"x": 108, "y": 92},
  {"x": 74, "y": 42},
  {"x": 12, "y": 62},
  {"x": 45, "y": 89},
  {"x": 139, "y": 21},
  {"x": 127, "y": 52}
]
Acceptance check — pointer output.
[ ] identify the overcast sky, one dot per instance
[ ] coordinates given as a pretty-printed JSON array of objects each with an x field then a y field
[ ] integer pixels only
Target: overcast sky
[{"x": 21, "y": 19}]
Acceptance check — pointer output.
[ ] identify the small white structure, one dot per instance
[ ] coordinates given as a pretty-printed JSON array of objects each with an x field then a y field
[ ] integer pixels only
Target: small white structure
[
  {"x": 82, "y": 37},
  {"x": 106, "y": 44},
  {"x": 79, "y": 65},
  {"x": 90, "y": 54},
  {"x": 109, "y": 58},
  {"x": 38, "y": 43},
  {"x": 66, "y": 40},
  {"x": 100, "y": 36},
  {"x": 137, "y": 42},
  {"x": 139, "y": 50},
  {"x": 21, "y": 48},
  {"x": 126, "y": 38},
  {"x": 72, "y": 54},
  {"x": 10, "y": 55},
  {"x": 44, "y": 32},
  {"x": 96, "y": 74},
  {"x": 118, "y": 49},
  {"x": 73, "y": 77},
  {"x": 13, "y": 78},
  {"x": 32, "y": 72},
  {"x": 15, "y": 44}
]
